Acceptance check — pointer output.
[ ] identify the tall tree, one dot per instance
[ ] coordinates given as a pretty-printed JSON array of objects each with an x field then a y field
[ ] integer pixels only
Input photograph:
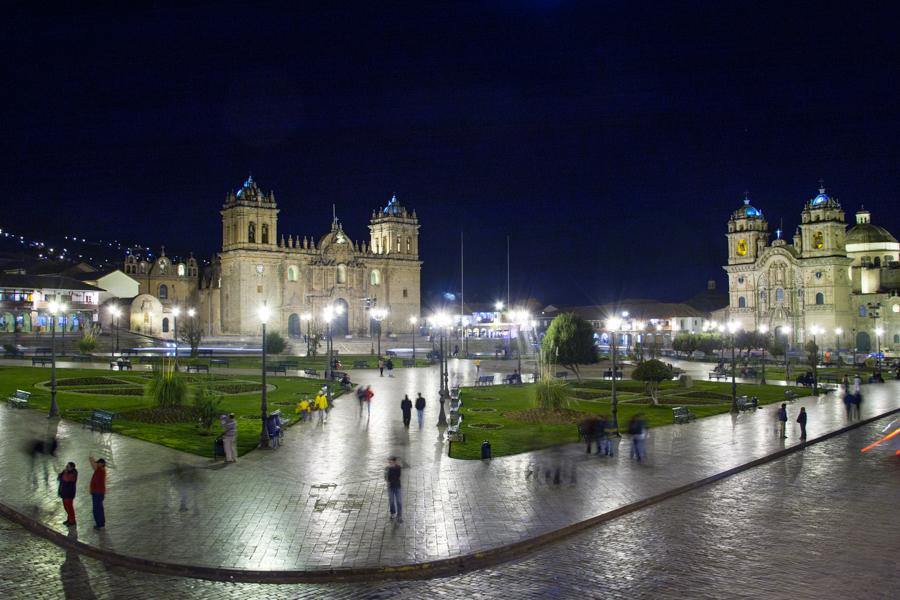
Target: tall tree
[
  {"x": 569, "y": 341},
  {"x": 652, "y": 373}
]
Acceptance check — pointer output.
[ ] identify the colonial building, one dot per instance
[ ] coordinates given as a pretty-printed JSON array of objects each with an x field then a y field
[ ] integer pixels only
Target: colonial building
[
  {"x": 295, "y": 277},
  {"x": 841, "y": 285}
]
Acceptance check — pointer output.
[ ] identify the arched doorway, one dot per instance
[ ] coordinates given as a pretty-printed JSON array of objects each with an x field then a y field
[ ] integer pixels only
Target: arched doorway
[
  {"x": 340, "y": 326},
  {"x": 294, "y": 325},
  {"x": 863, "y": 343}
]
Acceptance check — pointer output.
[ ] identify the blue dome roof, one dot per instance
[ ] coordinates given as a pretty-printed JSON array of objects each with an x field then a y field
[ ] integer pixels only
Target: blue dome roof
[
  {"x": 820, "y": 199},
  {"x": 750, "y": 211}
]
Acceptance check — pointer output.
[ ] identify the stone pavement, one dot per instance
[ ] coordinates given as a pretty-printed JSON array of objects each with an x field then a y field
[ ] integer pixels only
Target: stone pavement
[
  {"x": 814, "y": 524},
  {"x": 319, "y": 502}
]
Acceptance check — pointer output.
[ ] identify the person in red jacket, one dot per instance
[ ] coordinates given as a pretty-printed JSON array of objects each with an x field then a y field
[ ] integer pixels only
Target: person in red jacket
[
  {"x": 67, "y": 481},
  {"x": 98, "y": 491}
]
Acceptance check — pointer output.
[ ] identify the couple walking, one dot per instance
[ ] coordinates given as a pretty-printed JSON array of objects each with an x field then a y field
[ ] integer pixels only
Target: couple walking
[{"x": 406, "y": 407}]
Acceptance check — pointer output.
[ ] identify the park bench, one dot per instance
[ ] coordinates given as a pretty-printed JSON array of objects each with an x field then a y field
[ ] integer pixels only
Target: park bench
[
  {"x": 276, "y": 369},
  {"x": 608, "y": 374},
  {"x": 41, "y": 360},
  {"x": 455, "y": 400},
  {"x": 219, "y": 362},
  {"x": 122, "y": 363},
  {"x": 311, "y": 373},
  {"x": 453, "y": 428},
  {"x": 390, "y": 353},
  {"x": 717, "y": 375},
  {"x": 360, "y": 364},
  {"x": 512, "y": 379},
  {"x": 485, "y": 380},
  {"x": 19, "y": 399},
  {"x": 81, "y": 358},
  {"x": 682, "y": 414},
  {"x": 100, "y": 419},
  {"x": 747, "y": 403},
  {"x": 562, "y": 375},
  {"x": 829, "y": 378},
  {"x": 790, "y": 395},
  {"x": 409, "y": 363},
  {"x": 197, "y": 368},
  {"x": 14, "y": 353},
  {"x": 205, "y": 352}
]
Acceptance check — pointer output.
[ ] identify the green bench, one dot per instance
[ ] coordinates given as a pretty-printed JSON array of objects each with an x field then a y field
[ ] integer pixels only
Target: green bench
[
  {"x": 19, "y": 399},
  {"x": 100, "y": 419},
  {"x": 682, "y": 414}
]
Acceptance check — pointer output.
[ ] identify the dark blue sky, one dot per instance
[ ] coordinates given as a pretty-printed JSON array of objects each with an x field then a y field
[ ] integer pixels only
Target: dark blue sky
[{"x": 611, "y": 141}]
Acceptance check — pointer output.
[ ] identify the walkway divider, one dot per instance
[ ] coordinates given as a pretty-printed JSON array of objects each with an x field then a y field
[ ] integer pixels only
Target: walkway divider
[{"x": 440, "y": 568}]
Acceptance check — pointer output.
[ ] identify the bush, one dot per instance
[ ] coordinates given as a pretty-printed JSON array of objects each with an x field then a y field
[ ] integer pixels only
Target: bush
[
  {"x": 551, "y": 394},
  {"x": 168, "y": 387},
  {"x": 88, "y": 342},
  {"x": 206, "y": 403},
  {"x": 274, "y": 343}
]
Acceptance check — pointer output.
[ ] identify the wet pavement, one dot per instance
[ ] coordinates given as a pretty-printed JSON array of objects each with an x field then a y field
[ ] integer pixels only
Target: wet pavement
[
  {"x": 319, "y": 502},
  {"x": 816, "y": 524}
]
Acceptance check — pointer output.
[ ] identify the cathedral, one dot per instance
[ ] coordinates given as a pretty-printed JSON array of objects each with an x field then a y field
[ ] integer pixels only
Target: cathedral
[
  {"x": 840, "y": 285},
  {"x": 295, "y": 277}
]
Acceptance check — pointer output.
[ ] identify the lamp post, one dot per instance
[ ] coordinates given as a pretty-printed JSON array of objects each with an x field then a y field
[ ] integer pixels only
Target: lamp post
[
  {"x": 786, "y": 330},
  {"x": 55, "y": 309},
  {"x": 115, "y": 311},
  {"x": 65, "y": 321},
  {"x": 414, "y": 321},
  {"x": 612, "y": 325},
  {"x": 306, "y": 317},
  {"x": 816, "y": 330},
  {"x": 838, "y": 332},
  {"x": 264, "y": 313},
  {"x": 879, "y": 331},
  {"x": 192, "y": 333},
  {"x": 764, "y": 329},
  {"x": 639, "y": 330},
  {"x": 521, "y": 319},
  {"x": 175, "y": 312},
  {"x": 379, "y": 314},
  {"x": 732, "y": 329},
  {"x": 331, "y": 312},
  {"x": 441, "y": 321}
]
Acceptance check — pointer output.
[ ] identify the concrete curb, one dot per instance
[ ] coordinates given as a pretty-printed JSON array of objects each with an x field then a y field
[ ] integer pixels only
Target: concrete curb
[{"x": 440, "y": 568}]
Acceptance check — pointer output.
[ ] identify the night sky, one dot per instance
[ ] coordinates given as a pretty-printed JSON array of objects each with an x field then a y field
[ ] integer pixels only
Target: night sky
[{"x": 610, "y": 141}]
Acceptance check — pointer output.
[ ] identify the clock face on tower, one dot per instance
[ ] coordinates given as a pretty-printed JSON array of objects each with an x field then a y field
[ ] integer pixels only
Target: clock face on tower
[
  {"x": 742, "y": 247},
  {"x": 818, "y": 242}
]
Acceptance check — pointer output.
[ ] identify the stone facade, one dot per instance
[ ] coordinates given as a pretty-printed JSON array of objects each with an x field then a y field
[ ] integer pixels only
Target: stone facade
[{"x": 842, "y": 281}]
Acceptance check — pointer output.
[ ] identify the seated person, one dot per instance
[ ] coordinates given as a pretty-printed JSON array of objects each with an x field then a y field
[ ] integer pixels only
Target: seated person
[{"x": 345, "y": 381}]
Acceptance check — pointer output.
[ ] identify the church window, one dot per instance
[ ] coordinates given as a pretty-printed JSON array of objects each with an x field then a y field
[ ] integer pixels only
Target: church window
[
  {"x": 862, "y": 310},
  {"x": 741, "y": 279},
  {"x": 165, "y": 325},
  {"x": 820, "y": 299},
  {"x": 143, "y": 267},
  {"x": 384, "y": 244},
  {"x": 818, "y": 274},
  {"x": 163, "y": 292},
  {"x": 405, "y": 293},
  {"x": 887, "y": 259},
  {"x": 398, "y": 244},
  {"x": 265, "y": 233},
  {"x": 292, "y": 273},
  {"x": 181, "y": 270},
  {"x": 779, "y": 295},
  {"x": 375, "y": 277},
  {"x": 409, "y": 245},
  {"x": 742, "y": 302},
  {"x": 895, "y": 308},
  {"x": 342, "y": 274},
  {"x": 877, "y": 261},
  {"x": 251, "y": 232},
  {"x": 897, "y": 338}
]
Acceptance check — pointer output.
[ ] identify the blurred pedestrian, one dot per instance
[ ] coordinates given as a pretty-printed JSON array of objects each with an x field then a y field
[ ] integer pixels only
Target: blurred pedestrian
[
  {"x": 303, "y": 409},
  {"x": 361, "y": 397},
  {"x": 604, "y": 443},
  {"x": 588, "y": 431},
  {"x": 380, "y": 367},
  {"x": 478, "y": 367},
  {"x": 637, "y": 427},
  {"x": 98, "y": 491},
  {"x": 321, "y": 406},
  {"x": 389, "y": 364},
  {"x": 782, "y": 420},
  {"x": 801, "y": 418},
  {"x": 420, "y": 409},
  {"x": 369, "y": 395},
  {"x": 67, "y": 488},
  {"x": 392, "y": 475},
  {"x": 857, "y": 395},
  {"x": 847, "y": 396},
  {"x": 229, "y": 437},
  {"x": 406, "y": 406}
]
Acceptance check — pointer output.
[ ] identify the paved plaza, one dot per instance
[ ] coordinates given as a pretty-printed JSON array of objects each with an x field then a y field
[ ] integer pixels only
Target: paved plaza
[
  {"x": 814, "y": 524},
  {"x": 319, "y": 502}
]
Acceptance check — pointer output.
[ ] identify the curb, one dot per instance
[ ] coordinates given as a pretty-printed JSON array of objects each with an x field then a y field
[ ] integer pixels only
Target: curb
[{"x": 428, "y": 570}]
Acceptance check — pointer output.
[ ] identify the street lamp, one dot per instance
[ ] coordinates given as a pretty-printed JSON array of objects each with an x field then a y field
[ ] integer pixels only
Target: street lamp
[
  {"x": 379, "y": 314},
  {"x": 838, "y": 332},
  {"x": 786, "y": 330},
  {"x": 816, "y": 330},
  {"x": 441, "y": 320},
  {"x": 612, "y": 325},
  {"x": 175, "y": 312},
  {"x": 764, "y": 329},
  {"x": 115, "y": 311},
  {"x": 879, "y": 331},
  {"x": 414, "y": 321},
  {"x": 732, "y": 329},
  {"x": 264, "y": 313},
  {"x": 330, "y": 313},
  {"x": 306, "y": 317},
  {"x": 521, "y": 319},
  {"x": 55, "y": 309}
]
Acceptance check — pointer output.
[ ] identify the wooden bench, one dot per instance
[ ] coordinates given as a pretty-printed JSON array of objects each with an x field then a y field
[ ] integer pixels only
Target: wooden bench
[
  {"x": 682, "y": 414},
  {"x": 100, "y": 419},
  {"x": 453, "y": 428},
  {"x": 41, "y": 360},
  {"x": 311, "y": 373},
  {"x": 717, "y": 375},
  {"x": 608, "y": 374},
  {"x": 19, "y": 399},
  {"x": 561, "y": 375},
  {"x": 790, "y": 395},
  {"x": 485, "y": 380},
  {"x": 276, "y": 369},
  {"x": 197, "y": 368},
  {"x": 360, "y": 364},
  {"x": 220, "y": 362},
  {"x": 513, "y": 379},
  {"x": 409, "y": 363},
  {"x": 122, "y": 363},
  {"x": 745, "y": 403}
]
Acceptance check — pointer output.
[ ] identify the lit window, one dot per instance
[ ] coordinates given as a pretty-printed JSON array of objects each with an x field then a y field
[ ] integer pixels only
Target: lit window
[
  {"x": 181, "y": 270},
  {"x": 251, "y": 232},
  {"x": 375, "y": 277},
  {"x": 820, "y": 298},
  {"x": 779, "y": 295},
  {"x": 292, "y": 273},
  {"x": 342, "y": 274},
  {"x": 742, "y": 302},
  {"x": 163, "y": 292}
]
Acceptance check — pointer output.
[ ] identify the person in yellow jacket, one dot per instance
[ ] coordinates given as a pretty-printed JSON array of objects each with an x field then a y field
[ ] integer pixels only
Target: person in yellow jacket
[
  {"x": 321, "y": 406},
  {"x": 303, "y": 409}
]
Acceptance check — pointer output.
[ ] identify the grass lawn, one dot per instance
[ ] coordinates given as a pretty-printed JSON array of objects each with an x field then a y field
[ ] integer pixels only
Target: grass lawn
[
  {"x": 81, "y": 390},
  {"x": 497, "y": 405}
]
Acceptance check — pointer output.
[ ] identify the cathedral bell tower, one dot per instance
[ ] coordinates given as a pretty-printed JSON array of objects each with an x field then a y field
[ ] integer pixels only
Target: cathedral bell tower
[
  {"x": 394, "y": 231},
  {"x": 748, "y": 234},
  {"x": 822, "y": 227},
  {"x": 249, "y": 219}
]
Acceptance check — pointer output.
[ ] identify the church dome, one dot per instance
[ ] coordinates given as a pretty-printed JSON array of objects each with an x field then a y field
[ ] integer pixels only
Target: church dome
[
  {"x": 866, "y": 233},
  {"x": 822, "y": 199},
  {"x": 748, "y": 211}
]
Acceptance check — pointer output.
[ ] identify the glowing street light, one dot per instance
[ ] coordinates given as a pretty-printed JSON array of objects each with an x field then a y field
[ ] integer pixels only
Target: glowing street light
[
  {"x": 612, "y": 325},
  {"x": 732, "y": 329},
  {"x": 414, "y": 321},
  {"x": 115, "y": 311},
  {"x": 764, "y": 329},
  {"x": 264, "y": 312},
  {"x": 379, "y": 315},
  {"x": 55, "y": 309},
  {"x": 175, "y": 312},
  {"x": 306, "y": 317},
  {"x": 329, "y": 314}
]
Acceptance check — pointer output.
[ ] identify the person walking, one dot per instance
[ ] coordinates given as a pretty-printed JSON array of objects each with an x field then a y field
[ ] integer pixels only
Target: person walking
[
  {"x": 98, "y": 491},
  {"x": 389, "y": 363},
  {"x": 847, "y": 396},
  {"x": 392, "y": 475},
  {"x": 303, "y": 409},
  {"x": 477, "y": 367},
  {"x": 588, "y": 431},
  {"x": 380, "y": 367},
  {"x": 67, "y": 490},
  {"x": 229, "y": 437},
  {"x": 604, "y": 445},
  {"x": 782, "y": 420},
  {"x": 637, "y": 427},
  {"x": 801, "y": 418},
  {"x": 420, "y": 409},
  {"x": 321, "y": 406},
  {"x": 361, "y": 397},
  {"x": 369, "y": 394},
  {"x": 406, "y": 406}
]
